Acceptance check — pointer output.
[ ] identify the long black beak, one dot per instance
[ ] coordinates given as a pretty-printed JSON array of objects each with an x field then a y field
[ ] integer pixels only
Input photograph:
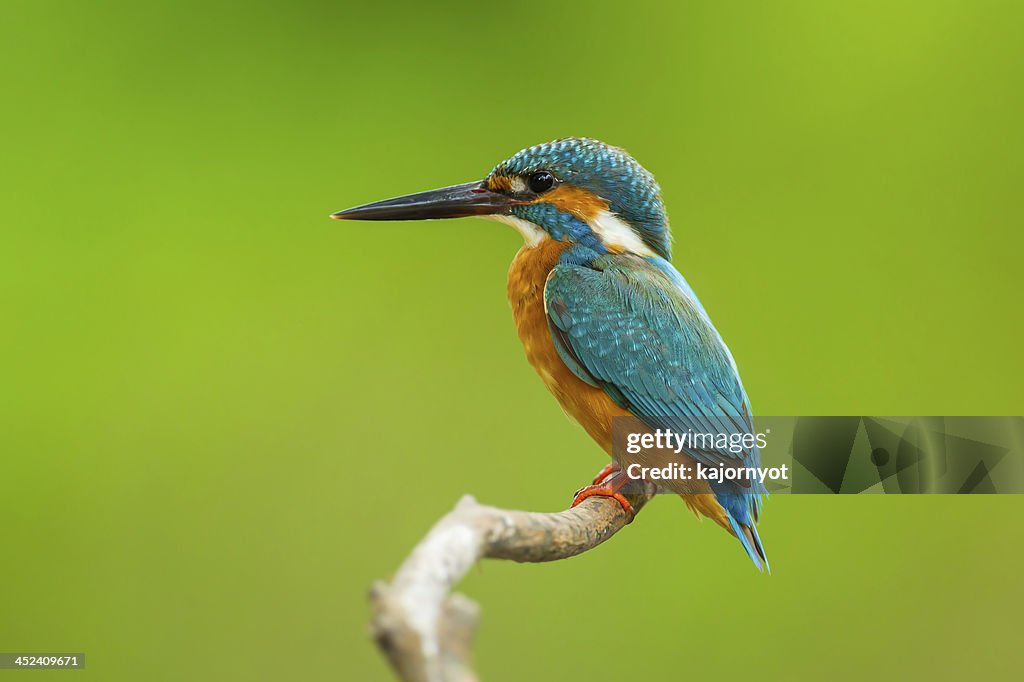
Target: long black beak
[{"x": 457, "y": 201}]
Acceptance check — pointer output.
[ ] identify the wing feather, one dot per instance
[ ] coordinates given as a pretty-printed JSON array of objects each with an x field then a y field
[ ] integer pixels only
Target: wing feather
[{"x": 626, "y": 325}]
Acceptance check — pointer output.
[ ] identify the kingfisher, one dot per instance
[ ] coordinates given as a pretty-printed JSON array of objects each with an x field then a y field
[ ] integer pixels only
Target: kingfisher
[{"x": 606, "y": 320}]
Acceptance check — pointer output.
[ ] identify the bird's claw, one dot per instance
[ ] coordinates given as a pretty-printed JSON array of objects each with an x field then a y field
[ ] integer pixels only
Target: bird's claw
[{"x": 608, "y": 483}]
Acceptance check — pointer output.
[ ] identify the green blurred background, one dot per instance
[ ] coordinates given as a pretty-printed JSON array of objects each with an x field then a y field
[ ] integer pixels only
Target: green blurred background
[{"x": 223, "y": 415}]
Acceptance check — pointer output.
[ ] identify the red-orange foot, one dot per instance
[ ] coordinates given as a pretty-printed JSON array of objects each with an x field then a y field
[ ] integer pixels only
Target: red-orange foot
[{"x": 609, "y": 483}]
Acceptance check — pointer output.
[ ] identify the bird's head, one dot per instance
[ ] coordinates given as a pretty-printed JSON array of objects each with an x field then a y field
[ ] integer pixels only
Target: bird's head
[{"x": 574, "y": 189}]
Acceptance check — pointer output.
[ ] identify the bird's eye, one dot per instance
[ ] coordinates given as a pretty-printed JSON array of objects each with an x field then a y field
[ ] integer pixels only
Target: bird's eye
[{"x": 541, "y": 182}]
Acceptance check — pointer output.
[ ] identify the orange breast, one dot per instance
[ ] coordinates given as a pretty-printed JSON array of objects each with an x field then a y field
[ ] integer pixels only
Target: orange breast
[{"x": 589, "y": 406}]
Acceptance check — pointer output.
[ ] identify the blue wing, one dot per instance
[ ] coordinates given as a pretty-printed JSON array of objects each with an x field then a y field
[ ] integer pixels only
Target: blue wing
[{"x": 633, "y": 327}]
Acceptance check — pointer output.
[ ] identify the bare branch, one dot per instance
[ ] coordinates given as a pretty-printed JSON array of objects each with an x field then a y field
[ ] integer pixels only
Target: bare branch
[{"x": 426, "y": 632}]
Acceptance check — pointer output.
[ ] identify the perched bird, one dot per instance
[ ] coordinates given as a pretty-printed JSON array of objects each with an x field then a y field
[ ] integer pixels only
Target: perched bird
[{"x": 612, "y": 328}]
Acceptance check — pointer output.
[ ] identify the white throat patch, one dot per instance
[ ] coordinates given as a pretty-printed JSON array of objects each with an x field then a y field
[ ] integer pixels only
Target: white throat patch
[{"x": 532, "y": 234}]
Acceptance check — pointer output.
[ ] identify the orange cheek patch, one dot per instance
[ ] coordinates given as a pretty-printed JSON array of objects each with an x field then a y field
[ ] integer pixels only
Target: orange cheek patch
[
  {"x": 499, "y": 183},
  {"x": 575, "y": 200}
]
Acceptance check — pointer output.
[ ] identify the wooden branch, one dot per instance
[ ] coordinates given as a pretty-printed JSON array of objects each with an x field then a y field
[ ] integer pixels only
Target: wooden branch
[{"x": 427, "y": 633}]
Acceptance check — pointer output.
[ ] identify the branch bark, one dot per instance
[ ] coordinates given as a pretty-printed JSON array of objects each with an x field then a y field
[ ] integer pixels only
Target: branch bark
[{"x": 425, "y": 632}]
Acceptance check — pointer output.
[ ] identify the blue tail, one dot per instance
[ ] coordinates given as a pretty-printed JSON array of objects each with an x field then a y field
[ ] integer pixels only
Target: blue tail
[
  {"x": 751, "y": 541},
  {"x": 743, "y": 509}
]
